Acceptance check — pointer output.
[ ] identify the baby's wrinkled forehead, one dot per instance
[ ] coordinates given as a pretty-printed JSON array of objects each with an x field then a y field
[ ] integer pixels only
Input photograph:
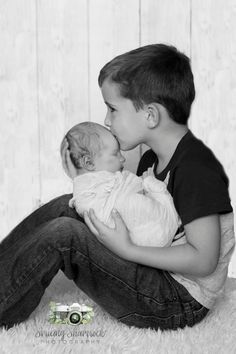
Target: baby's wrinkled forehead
[{"x": 108, "y": 139}]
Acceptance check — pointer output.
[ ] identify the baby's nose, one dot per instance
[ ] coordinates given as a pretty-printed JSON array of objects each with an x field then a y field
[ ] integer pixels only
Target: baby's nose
[{"x": 122, "y": 158}]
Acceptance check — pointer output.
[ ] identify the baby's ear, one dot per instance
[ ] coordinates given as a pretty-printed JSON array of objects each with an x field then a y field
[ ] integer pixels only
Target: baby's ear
[{"x": 87, "y": 163}]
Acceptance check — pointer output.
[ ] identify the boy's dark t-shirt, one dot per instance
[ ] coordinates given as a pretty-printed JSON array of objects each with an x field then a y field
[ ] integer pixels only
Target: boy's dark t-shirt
[
  {"x": 199, "y": 187},
  {"x": 196, "y": 179}
]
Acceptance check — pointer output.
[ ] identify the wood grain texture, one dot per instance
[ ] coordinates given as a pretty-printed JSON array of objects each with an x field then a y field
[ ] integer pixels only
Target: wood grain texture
[
  {"x": 166, "y": 22},
  {"x": 51, "y": 55},
  {"x": 113, "y": 29},
  {"x": 19, "y": 149},
  {"x": 63, "y": 84},
  {"x": 213, "y": 60}
]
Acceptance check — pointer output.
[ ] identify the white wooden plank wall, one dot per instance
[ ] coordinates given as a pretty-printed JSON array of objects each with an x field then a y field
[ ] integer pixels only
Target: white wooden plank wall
[
  {"x": 19, "y": 144},
  {"x": 213, "y": 51},
  {"x": 51, "y": 54}
]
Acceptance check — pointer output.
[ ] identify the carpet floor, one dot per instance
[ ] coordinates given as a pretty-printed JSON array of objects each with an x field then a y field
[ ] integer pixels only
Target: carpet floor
[{"x": 216, "y": 334}]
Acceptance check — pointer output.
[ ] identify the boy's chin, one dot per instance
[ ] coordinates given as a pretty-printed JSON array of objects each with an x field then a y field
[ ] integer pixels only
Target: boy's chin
[{"x": 127, "y": 147}]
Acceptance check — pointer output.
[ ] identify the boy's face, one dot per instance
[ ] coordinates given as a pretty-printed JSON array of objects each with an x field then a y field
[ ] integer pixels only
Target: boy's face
[
  {"x": 109, "y": 158},
  {"x": 124, "y": 121}
]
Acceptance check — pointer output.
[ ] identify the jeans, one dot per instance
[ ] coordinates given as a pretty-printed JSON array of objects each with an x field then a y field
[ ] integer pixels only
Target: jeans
[{"x": 54, "y": 237}]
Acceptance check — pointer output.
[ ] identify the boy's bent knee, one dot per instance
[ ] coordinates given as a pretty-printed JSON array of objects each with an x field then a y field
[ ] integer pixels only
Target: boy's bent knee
[
  {"x": 62, "y": 200},
  {"x": 65, "y": 231}
]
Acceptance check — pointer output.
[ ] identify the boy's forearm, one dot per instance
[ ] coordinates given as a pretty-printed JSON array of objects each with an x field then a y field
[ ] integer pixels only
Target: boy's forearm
[{"x": 183, "y": 259}]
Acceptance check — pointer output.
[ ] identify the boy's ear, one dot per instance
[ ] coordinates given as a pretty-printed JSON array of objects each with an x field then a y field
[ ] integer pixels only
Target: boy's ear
[
  {"x": 152, "y": 115},
  {"x": 86, "y": 162}
]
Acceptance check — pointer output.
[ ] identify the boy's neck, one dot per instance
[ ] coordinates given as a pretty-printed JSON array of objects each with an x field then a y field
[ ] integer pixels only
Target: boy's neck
[{"x": 165, "y": 144}]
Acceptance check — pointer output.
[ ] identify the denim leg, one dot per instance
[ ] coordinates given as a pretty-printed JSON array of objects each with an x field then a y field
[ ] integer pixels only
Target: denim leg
[
  {"x": 26, "y": 270},
  {"x": 28, "y": 251},
  {"x": 134, "y": 294},
  {"x": 55, "y": 208}
]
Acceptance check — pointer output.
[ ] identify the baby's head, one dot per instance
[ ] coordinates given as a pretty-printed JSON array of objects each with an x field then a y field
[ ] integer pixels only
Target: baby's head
[{"x": 92, "y": 148}]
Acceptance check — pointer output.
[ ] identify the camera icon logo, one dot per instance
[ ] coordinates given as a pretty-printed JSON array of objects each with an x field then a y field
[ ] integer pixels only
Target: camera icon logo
[{"x": 74, "y": 314}]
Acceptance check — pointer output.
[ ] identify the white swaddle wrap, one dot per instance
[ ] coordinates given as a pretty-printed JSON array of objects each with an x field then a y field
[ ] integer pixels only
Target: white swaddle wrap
[{"x": 145, "y": 204}]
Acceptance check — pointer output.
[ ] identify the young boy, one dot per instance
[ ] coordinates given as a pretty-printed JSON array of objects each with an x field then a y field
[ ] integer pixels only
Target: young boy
[
  {"x": 100, "y": 183},
  {"x": 148, "y": 93}
]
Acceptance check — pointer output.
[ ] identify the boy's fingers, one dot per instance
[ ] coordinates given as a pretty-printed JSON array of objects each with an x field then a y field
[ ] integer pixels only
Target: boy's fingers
[
  {"x": 67, "y": 164},
  {"x": 99, "y": 225},
  {"x": 64, "y": 149},
  {"x": 64, "y": 145},
  {"x": 67, "y": 158},
  {"x": 119, "y": 222},
  {"x": 90, "y": 224},
  {"x": 70, "y": 167}
]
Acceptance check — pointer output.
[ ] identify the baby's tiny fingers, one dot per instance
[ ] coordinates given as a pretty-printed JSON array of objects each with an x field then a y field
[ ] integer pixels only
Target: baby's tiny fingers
[
  {"x": 145, "y": 174},
  {"x": 150, "y": 171}
]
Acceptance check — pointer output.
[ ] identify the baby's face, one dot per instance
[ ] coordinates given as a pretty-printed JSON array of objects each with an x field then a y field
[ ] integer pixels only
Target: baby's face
[{"x": 109, "y": 158}]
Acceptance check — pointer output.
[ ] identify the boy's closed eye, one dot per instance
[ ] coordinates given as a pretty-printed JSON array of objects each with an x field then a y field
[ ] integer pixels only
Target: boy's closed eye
[{"x": 110, "y": 107}]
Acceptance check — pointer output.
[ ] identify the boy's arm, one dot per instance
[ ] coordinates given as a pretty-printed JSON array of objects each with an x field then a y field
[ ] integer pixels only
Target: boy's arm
[{"x": 199, "y": 256}]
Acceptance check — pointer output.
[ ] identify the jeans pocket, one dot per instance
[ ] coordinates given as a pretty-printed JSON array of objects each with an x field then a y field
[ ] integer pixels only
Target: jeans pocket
[{"x": 155, "y": 284}]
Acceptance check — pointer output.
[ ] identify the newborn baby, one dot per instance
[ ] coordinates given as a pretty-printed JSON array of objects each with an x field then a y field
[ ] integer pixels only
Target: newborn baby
[{"x": 101, "y": 183}]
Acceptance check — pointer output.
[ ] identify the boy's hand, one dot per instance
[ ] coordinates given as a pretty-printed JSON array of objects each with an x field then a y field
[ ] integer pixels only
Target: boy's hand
[
  {"x": 117, "y": 239},
  {"x": 67, "y": 164}
]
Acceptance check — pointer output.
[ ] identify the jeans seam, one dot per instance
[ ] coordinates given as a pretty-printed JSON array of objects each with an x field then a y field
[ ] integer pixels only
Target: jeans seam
[
  {"x": 99, "y": 267},
  {"x": 13, "y": 290},
  {"x": 154, "y": 316},
  {"x": 202, "y": 309},
  {"x": 137, "y": 293},
  {"x": 165, "y": 273}
]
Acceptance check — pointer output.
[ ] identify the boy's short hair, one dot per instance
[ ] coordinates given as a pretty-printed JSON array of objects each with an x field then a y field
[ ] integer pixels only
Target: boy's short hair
[
  {"x": 83, "y": 139},
  {"x": 154, "y": 73}
]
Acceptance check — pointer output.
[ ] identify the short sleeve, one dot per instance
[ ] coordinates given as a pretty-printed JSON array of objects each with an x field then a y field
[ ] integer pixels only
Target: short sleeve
[{"x": 200, "y": 191}]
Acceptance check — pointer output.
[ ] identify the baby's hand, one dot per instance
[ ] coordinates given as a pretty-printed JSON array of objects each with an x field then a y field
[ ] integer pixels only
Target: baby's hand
[
  {"x": 148, "y": 173},
  {"x": 153, "y": 185}
]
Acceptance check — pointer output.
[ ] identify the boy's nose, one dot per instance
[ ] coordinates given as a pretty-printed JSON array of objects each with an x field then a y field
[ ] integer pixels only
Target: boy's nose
[{"x": 107, "y": 121}]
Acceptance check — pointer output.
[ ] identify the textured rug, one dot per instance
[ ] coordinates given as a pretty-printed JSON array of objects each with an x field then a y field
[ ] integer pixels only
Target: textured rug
[{"x": 216, "y": 334}]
